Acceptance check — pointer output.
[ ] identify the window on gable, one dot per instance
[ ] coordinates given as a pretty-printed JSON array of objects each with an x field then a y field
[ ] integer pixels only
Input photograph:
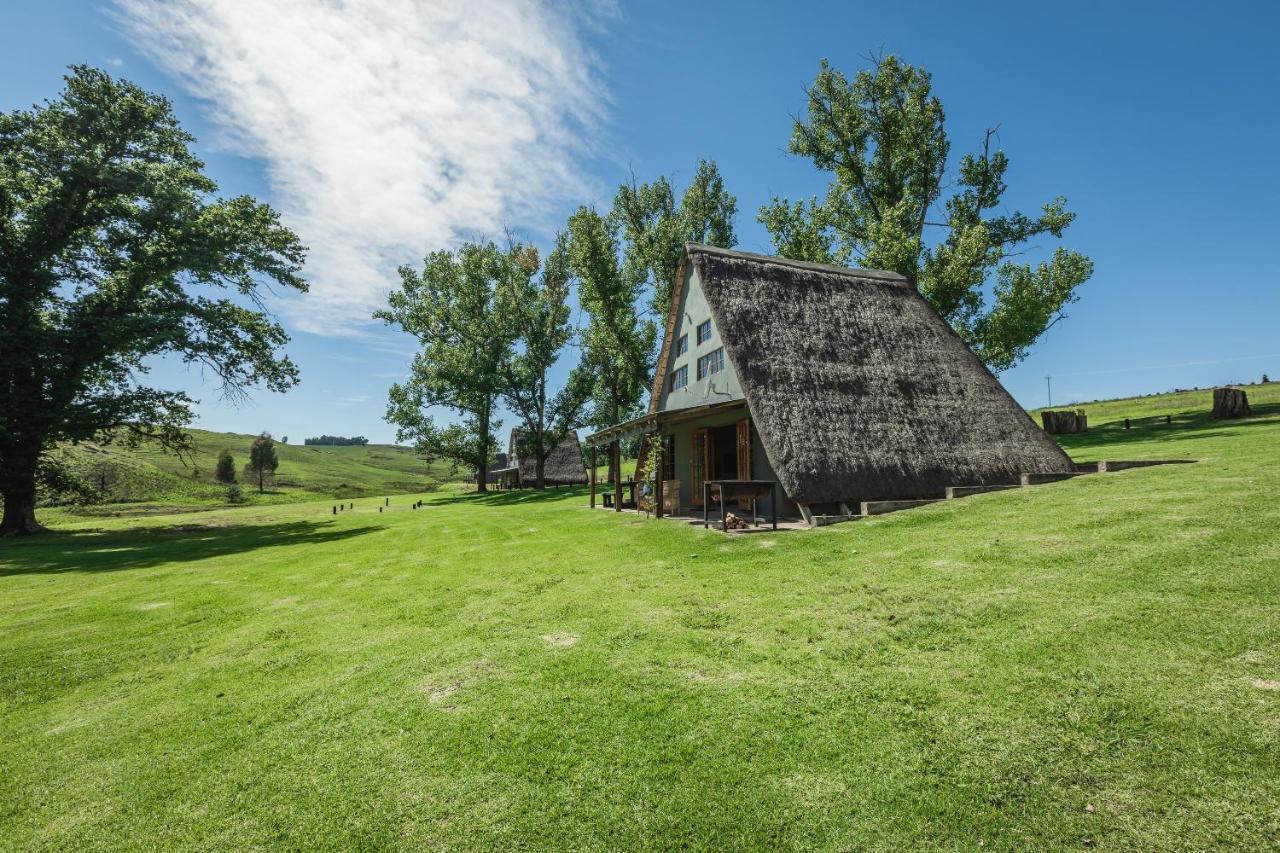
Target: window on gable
[
  {"x": 678, "y": 378},
  {"x": 704, "y": 331},
  {"x": 682, "y": 346},
  {"x": 712, "y": 362}
]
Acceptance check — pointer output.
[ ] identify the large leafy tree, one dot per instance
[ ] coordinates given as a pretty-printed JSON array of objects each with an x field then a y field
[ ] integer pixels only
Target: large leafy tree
[
  {"x": 457, "y": 308},
  {"x": 539, "y": 307},
  {"x": 882, "y": 138},
  {"x": 654, "y": 228},
  {"x": 618, "y": 342},
  {"x": 113, "y": 248}
]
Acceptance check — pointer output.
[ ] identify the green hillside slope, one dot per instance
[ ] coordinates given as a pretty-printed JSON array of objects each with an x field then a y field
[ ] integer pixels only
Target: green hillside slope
[{"x": 147, "y": 479}]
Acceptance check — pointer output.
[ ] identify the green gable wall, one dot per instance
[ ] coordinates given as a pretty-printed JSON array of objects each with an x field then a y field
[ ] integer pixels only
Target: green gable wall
[{"x": 719, "y": 387}]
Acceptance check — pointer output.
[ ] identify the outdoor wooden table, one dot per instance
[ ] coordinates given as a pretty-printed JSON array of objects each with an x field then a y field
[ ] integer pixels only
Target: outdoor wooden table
[
  {"x": 630, "y": 485},
  {"x": 755, "y": 488}
]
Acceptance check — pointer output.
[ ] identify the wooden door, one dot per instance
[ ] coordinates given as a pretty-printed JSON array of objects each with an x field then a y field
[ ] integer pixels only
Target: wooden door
[{"x": 699, "y": 459}]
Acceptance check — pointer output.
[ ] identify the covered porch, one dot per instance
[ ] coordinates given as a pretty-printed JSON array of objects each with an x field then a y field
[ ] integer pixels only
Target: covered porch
[{"x": 683, "y": 455}]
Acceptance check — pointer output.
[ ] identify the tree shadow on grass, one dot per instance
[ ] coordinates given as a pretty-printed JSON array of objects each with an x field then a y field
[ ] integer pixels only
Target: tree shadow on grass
[
  {"x": 509, "y": 497},
  {"x": 1153, "y": 429},
  {"x": 119, "y": 550}
]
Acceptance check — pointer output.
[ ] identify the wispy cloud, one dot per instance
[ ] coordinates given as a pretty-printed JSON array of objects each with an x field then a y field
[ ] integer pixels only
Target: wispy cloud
[{"x": 388, "y": 127}]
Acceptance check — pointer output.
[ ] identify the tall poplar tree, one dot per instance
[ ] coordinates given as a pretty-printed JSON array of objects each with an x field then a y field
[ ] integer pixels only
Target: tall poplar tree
[
  {"x": 540, "y": 314},
  {"x": 654, "y": 229},
  {"x": 618, "y": 342},
  {"x": 456, "y": 307},
  {"x": 882, "y": 138}
]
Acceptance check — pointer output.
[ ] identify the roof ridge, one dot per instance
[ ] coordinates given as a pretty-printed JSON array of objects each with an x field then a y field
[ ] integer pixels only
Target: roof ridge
[{"x": 703, "y": 248}]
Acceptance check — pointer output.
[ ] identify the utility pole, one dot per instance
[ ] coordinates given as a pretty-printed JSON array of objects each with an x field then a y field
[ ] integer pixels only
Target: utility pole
[{"x": 1048, "y": 384}]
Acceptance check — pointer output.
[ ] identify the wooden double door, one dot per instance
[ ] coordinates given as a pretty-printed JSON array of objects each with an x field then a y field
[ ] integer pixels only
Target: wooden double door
[{"x": 719, "y": 453}]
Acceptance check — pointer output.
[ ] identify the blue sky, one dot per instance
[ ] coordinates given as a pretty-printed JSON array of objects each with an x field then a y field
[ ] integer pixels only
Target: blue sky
[{"x": 387, "y": 128}]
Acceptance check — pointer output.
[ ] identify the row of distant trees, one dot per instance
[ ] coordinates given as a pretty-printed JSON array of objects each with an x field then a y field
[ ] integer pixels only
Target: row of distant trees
[
  {"x": 336, "y": 440},
  {"x": 115, "y": 246}
]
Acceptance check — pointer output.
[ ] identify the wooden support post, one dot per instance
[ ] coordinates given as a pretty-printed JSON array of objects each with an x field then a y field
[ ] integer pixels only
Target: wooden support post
[
  {"x": 593, "y": 476},
  {"x": 659, "y": 466},
  {"x": 617, "y": 476}
]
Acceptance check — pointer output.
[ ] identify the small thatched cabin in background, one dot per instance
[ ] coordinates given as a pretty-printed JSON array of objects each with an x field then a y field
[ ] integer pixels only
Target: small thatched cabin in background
[
  {"x": 841, "y": 385},
  {"x": 492, "y": 475},
  {"x": 563, "y": 466}
]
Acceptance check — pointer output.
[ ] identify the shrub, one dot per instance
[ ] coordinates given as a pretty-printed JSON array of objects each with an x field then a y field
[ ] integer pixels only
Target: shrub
[
  {"x": 235, "y": 494},
  {"x": 225, "y": 471}
]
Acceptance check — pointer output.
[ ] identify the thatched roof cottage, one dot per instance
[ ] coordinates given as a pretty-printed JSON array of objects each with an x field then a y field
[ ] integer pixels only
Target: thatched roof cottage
[
  {"x": 842, "y": 385},
  {"x": 499, "y": 464},
  {"x": 563, "y": 466}
]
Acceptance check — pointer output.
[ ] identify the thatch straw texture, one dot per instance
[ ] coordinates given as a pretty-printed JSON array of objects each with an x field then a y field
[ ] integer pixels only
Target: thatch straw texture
[
  {"x": 563, "y": 467},
  {"x": 858, "y": 388},
  {"x": 499, "y": 462}
]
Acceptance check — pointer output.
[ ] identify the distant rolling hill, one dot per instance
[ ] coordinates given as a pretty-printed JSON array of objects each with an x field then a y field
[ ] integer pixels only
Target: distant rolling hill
[{"x": 147, "y": 479}]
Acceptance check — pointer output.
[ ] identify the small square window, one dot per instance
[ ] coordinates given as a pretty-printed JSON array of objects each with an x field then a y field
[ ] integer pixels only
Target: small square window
[
  {"x": 682, "y": 345},
  {"x": 678, "y": 378},
  {"x": 712, "y": 362},
  {"x": 704, "y": 331}
]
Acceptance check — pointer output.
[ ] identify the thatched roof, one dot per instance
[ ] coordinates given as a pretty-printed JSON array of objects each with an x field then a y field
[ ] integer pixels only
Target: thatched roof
[
  {"x": 858, "y": 389},
  {"x": 499, "y": 463},
  {"x": 563, "y": 467}
]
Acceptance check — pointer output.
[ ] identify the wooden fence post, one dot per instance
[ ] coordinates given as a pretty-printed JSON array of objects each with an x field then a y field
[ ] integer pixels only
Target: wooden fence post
[
  {"x": 617, "y": 476},
  {"x": 593, "y": 476},
  {"x": 659, "y": 466}
]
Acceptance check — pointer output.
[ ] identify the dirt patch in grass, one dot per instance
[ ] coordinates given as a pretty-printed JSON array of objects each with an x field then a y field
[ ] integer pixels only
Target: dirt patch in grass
[
  {"x": 1266, "y": 684},
  {"x": 560, "y": 640}
]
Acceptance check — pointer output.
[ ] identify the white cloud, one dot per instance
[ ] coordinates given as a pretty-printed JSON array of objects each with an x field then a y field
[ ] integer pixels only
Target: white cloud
[{"x": 389, "y": 128}]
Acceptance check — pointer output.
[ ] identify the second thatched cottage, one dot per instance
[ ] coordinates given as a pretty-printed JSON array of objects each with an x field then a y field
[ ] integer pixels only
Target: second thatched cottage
[
  {"x": 842, "y": 385},
  {"x": 562, "y": 467}
]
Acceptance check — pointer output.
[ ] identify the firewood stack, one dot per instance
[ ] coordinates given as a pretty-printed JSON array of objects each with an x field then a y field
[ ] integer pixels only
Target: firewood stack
[{"x": 733, "y": 521}]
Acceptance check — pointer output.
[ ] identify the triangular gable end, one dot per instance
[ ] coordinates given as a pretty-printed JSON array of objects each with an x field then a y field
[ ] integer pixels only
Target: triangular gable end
[{"x": 693, "y": 366}]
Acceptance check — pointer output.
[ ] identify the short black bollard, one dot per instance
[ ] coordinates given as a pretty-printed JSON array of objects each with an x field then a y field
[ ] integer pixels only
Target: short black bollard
[
  {"x": 335, "y": 510},
  {"x": 1126, "y": 423},
  {"x": 388, "y": 502},
  {"x": 379, "y": 510},
  {"x": 1168, "y": 419}
]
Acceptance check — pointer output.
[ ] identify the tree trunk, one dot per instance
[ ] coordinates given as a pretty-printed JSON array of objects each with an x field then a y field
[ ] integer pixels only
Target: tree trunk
[
  {"x": 20, "y": 509},
  {"x": 1059, "y": 423},
  {"x": 1230, "y": 403},
  {"x": 482, "y": 469},
  {"x": 541, "y": 453}
]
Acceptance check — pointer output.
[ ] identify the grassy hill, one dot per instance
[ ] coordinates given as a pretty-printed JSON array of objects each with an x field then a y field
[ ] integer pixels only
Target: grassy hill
[
  {"x": 1093, "y": 663},
  {"x": 147, "y": 480}
]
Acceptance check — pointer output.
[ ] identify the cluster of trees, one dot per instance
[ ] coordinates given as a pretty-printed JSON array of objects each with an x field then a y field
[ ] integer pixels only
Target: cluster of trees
[
  {"x": 260, "y": 468},
  {"x": 493, "y": 320},
  {"x": 115, "y": 246},
  {"x": 335, "y": 440}
]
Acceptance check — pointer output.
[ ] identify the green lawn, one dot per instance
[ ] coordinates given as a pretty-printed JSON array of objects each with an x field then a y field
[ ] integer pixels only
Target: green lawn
[{"x": 1088, "y": 663}]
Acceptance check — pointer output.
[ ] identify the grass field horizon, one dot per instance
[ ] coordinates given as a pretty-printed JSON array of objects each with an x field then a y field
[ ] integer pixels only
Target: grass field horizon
[
  {"x": 1090, "y": 663},
  {"x": 151, "y": 481}
]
